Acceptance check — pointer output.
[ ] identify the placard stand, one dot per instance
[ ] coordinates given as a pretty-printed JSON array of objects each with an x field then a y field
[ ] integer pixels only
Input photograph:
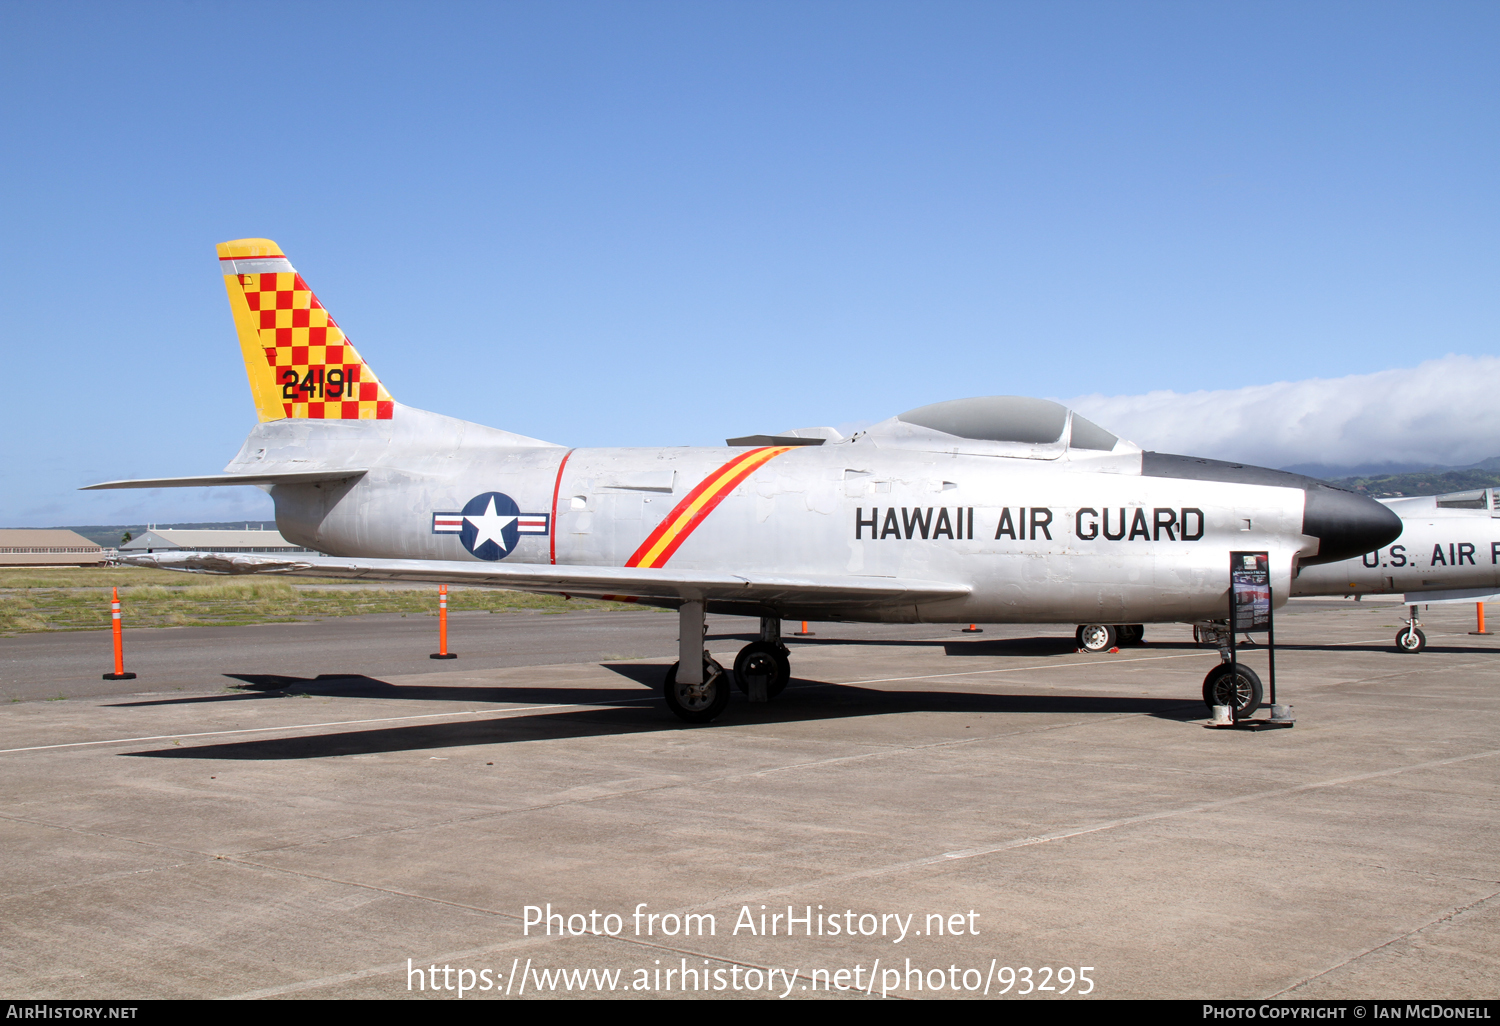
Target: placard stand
[{"x": 1250, "y": 612}]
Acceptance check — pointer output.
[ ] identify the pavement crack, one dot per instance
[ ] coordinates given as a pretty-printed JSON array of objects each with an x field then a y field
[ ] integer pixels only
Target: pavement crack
[
  {"x": 80, "y": 831},
  {"x": 1445, "y": 917}
]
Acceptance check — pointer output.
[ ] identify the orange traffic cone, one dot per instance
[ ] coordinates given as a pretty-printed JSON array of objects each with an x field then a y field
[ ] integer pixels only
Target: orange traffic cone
[
  {"x": 1480, "y": 607},
  {"x": 442, "y": 652},
  {"x": 114, "y": 616}
]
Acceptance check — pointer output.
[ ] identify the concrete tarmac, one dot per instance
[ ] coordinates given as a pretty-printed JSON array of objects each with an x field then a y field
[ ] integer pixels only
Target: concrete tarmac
[{"x": 318, "y": 810}]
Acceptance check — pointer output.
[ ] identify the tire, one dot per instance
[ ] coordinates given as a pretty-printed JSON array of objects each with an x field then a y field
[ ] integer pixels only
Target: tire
[
  {"x": 1411, "y": 639},
  {"x": 1131, "y": 633},
  {"x": 1096, "y": 637},
  {"x": 700, "y": 703},
  {"x": 1245, "y": 695},
  {"x": 762, "y": 659}
]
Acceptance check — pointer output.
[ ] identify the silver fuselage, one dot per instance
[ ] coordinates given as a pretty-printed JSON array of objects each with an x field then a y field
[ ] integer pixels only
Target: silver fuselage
[{"x": 1072, "y": 539}]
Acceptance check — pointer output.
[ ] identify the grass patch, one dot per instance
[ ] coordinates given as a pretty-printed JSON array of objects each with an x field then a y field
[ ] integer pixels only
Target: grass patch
[
  {"x": 21, "y": 578},
  {"x": 71, "y": 600}
]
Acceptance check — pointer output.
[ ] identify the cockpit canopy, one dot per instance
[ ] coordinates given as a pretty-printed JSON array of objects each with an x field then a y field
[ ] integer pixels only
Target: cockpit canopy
[{"x": 999, "y": 425}]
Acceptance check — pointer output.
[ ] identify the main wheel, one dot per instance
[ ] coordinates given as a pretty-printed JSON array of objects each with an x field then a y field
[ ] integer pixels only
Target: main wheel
[
  {"x": 698, "y": 703},
  {"x": 1411, "y": 639},
  {"x": 762, "y": 659},
  {"x": 1244, "y": 691},
  {"x": 1096, "y": 637},
  {"x": 1131, "y": 633}
]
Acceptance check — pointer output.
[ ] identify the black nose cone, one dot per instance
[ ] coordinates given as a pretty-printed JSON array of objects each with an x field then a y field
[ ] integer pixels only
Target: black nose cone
[{"x": 1345, "y": 523}]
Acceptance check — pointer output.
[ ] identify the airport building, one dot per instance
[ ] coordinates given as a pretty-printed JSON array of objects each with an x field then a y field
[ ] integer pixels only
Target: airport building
[
  {"x": 48, "y": 547},
  {"x": 165, "y": 539}
]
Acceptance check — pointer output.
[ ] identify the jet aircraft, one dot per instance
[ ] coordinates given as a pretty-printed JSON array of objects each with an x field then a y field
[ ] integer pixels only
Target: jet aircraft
[
  {"x": 996, "y": 509},
  {"x": 1448, "y": 551}
]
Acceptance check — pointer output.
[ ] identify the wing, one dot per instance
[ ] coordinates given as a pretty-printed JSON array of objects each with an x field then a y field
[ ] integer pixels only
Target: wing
[
  {"x": 583, "y": 581},
  {"x": 299, "y": 477}
]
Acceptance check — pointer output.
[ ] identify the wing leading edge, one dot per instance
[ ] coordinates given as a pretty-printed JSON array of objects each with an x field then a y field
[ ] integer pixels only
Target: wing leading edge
[
  {"x": 580, "y": 581},
  {"x": 213, "y": 480}
]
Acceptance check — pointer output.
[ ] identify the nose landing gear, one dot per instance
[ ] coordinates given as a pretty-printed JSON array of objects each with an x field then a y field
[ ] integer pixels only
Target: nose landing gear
[
  {"x": 1242, "y": 689},
  {"x": 1411, "y": 639}
]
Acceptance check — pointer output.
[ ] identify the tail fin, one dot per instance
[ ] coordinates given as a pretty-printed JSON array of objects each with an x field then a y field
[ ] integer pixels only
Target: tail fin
[{"x": 299, "y": 363}]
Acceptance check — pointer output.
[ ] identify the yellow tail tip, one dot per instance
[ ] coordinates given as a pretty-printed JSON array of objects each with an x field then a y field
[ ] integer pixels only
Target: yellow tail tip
[{"x": 240, "y": 249}]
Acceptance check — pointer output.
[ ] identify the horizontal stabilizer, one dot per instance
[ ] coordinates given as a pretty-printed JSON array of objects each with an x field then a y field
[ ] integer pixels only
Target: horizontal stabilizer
[
  {"x": 303, "y": 477},
  {"x": 582, "y": 581}
]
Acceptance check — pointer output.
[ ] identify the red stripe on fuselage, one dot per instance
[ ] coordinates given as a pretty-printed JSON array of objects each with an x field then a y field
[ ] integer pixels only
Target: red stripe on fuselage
[{"x": 552, "y": 527}]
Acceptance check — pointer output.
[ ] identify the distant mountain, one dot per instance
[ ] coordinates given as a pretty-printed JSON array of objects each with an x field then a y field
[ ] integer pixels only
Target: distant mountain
[
  {"x": 1426, "y": 482},
  {"x": 109, "y": 535},
  {"x": 1327, "y": 472}
]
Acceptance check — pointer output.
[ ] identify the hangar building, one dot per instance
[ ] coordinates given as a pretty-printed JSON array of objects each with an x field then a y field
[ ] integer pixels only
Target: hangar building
[{"x": 48, "y": 547}]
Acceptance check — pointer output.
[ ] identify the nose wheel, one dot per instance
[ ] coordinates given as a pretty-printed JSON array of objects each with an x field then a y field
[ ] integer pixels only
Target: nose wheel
[
  {"x": 1411, "y": 638},
  {"x": 1241, "y": 689}
]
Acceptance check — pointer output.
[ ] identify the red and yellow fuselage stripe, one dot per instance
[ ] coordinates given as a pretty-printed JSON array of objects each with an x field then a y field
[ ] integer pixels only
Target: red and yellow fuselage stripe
[{"x": 698, "y": 504}]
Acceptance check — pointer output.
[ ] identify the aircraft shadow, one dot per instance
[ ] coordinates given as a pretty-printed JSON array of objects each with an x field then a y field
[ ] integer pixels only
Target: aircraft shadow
[
  {"x": 258, "y": 687},
  {"x": 802, "y": 702},
  {"x": 261, "y": 686}
]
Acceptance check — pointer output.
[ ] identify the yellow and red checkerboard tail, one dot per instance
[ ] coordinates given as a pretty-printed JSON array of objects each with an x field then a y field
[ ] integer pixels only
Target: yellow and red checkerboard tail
[{"x": 299, "y": 363}]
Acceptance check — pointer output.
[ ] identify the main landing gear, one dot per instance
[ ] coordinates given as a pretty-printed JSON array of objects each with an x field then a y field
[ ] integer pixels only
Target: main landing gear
[
  {"x": 1101, "y": 637},
  {"x": 762, "y": 666},
  {"x": 761, "y": 670},
  {"x": 701, "y": 701}
]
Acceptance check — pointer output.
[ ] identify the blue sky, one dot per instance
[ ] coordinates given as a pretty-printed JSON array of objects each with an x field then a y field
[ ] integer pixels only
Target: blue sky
[{"x": 668, "y": 223}]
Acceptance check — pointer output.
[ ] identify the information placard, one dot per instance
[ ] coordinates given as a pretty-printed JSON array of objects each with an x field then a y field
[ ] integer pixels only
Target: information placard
[{"x": 1250, "y": 591}]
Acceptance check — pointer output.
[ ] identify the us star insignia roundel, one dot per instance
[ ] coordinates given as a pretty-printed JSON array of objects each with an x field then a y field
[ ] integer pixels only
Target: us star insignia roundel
[{"x": 489, "y": 525}]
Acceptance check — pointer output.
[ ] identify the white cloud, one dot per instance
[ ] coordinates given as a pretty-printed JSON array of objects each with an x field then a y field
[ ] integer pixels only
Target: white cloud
[{"x": 1444, "y": 411}]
